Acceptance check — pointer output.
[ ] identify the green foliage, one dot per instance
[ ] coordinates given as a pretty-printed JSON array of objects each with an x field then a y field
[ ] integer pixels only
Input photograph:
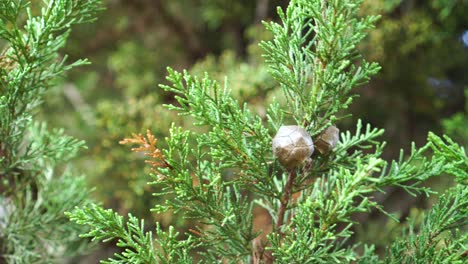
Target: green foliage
[
  {"x": 441, "y": 238},
  {"x": 450, "y": 151},
  {"x": 418, "y": 45},
  {"x": 249, "y": 82},
  {"x": 133, "y": 42},
  {"x": 34, "y": 191},
  {"x": 219, "y": 174},
  {"x": 34, "y": 227},
  {"x": 445, "y": 6},
  {"x": 215, "y": 12},
  {"x": 456, "y": 126},
  {"x": 312, "y": 57},
  {"x": 139, "y": 245},
  {"x": 121, "y": 173}
]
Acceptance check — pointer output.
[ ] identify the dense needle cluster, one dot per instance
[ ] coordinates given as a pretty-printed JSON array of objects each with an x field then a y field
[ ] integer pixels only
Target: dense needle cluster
[{"x": 36, "y": 189}]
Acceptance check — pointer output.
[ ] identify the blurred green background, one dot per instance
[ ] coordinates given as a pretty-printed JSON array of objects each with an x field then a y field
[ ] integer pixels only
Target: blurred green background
[{"x": 422, "y": 47}]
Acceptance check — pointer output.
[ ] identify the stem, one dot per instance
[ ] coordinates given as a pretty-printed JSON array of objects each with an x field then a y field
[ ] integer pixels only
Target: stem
[
  {"x": 261, "y": 11},
  {"x": 267, "y": 255},
  {"x": 285, "y": 199}
]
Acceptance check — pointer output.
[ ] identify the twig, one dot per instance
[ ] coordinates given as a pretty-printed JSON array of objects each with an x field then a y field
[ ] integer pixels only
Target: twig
[
  {"x": 261, "y": 11},
  {"x": 285, "y": 199},
  {"x": 267, "y": 255}
]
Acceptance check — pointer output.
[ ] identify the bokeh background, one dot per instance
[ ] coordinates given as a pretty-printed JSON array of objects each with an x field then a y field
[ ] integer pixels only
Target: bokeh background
[{"x": 422, "y": 47}]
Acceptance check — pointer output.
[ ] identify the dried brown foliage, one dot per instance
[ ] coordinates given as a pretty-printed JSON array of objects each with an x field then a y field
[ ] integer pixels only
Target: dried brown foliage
[{"x": 147, "y": 145}]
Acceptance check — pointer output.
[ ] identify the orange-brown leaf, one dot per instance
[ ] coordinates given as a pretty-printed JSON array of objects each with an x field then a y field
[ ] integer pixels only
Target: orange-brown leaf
[{"x": 147, "y": 145}]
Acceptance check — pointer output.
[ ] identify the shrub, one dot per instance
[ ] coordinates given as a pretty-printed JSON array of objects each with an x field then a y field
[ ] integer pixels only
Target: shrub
[
  {"x": 35, "y": 188},
  {"x": 220, "y": 178}
]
